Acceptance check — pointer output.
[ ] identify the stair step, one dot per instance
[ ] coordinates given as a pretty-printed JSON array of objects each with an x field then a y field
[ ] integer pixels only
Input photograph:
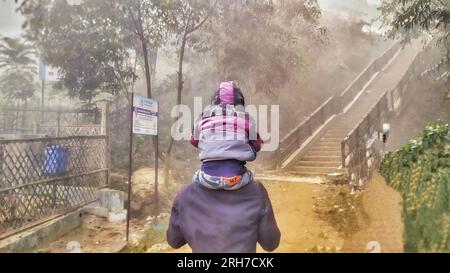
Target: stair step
[
  {"x": 325, "y": 170},
  {"x": 321, "y": 158},
  {"x": 333, "y": 131},
  {"x": 325, "y": 148},
  {"x": 309, "y": 174},
  {"x": 335, "y": 164},
  {"x": 336, "y": 132},
  {"x": 328, "y": 144},
  {"x": 331, "y": 134},
  {"x": 326, "y": 138},
  {"x": 337, "y": 129},
  {"x": 323, "y": 153}
]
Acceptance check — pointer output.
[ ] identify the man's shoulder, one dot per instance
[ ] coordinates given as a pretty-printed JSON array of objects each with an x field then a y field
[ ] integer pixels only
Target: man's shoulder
[
  {"x": 186, "y": 188},
  {"x": 253, "y": 188},
  {"x": 261, "y": 187}
]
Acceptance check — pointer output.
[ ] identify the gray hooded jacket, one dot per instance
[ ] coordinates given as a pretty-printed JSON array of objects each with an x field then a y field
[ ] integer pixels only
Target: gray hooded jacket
[{"x": 223, "y": 221}]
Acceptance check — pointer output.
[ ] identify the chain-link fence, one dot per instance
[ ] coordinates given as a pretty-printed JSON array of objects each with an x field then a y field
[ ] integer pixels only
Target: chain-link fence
[
  {"x": 43, "y": 177},
  {"x": 51, "y": 122},
  {"x": 52, "y": 161}
]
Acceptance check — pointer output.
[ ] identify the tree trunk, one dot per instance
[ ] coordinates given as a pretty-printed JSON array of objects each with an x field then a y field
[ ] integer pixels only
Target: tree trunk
[
  {"x": 179, "y": 92},
  {"x": 147, "y": 72},
  {"x": 148, "y": 81}
]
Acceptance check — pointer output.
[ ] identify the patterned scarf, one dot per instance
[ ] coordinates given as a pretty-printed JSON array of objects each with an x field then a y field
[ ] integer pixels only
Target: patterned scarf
[{"x": 229, "y": 183}]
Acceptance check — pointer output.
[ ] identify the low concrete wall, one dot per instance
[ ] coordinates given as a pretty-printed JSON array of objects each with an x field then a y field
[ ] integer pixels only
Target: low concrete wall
[
  {"x": 110, "y": 204},
  {"x": 30, "y": 239}
]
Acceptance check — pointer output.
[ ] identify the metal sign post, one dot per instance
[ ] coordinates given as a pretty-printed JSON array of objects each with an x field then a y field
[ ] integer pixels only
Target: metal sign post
[
  {"x": 130, "y": 166},
  {"x": 156, "y": 178},
  {"x": 46, "y": 74},
  {"x": 144, "y": 121}
]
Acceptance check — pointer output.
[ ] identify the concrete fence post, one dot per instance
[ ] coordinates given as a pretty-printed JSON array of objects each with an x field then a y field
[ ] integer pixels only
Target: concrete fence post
[
  {"x": 105, "y": 130},
  {"x": 58, "y": 123},
  {"x": 104, "y": 126}
]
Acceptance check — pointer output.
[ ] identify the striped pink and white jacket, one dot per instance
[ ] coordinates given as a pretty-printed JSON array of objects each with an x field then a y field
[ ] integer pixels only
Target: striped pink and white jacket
[{"x": 223, "y": 132}]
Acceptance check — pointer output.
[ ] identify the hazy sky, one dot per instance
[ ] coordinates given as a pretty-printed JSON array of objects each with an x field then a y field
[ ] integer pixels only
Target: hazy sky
[{"x": 10, "y": 21}]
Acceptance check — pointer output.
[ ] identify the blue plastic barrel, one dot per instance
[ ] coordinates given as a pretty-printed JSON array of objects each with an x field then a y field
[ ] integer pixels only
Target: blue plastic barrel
[{"x": 56, "y": 159}]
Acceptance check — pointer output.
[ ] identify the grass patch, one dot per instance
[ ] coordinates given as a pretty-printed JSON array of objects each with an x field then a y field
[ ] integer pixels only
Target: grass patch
[
  {"x": 151, "y": 236},
  {"x": 342, "y": 209}
]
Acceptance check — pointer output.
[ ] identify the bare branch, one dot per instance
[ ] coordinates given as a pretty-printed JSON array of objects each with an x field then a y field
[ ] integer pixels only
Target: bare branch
[{"x": 189, "y": 31}]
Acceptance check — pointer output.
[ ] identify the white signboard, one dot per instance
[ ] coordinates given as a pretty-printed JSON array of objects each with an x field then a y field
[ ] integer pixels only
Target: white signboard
[
  {"x": 47, "y": 73},
  {"x": 145, "y": 115},
  {"x": 51, "y": 74}
]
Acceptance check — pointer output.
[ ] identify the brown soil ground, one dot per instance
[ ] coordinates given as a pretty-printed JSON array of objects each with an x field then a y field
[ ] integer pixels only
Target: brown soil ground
[
  {"x": 301, "y": 228},
  {"x": 95, "y": 235},
  {"x": 303, "y": 231},
  {"x": 384, "y": 230}
]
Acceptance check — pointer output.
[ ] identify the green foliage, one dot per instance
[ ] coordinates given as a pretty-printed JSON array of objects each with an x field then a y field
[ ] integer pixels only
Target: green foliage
[
  {"x": 72, "y": 38},
  {"x": 14, "y": 52},
  {"x": 18, "y": 85},
  {"x": 261, "y": 43},
  {"x": 410, "y": 19},
  {"x": 91, "y": 43},
  {"x": 18, "y": 66},
  {"x": 420, "y": 171}
]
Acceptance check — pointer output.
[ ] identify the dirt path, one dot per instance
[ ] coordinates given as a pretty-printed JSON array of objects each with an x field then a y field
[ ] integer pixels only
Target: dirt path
[
  {"x": 384, "y": 230},
  {"x": 301, "y": 228},
  {"x": 303, "y": 231},
  {"x": 95, "y": 235}
]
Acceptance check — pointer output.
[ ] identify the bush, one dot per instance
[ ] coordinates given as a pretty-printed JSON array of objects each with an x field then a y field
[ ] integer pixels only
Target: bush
[{"x": 420, "y": 171}]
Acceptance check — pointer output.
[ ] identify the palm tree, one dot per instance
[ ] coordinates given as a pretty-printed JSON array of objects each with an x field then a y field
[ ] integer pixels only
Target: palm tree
[
  {"x": 14, "y": 52},
  {"x": 17, "y": 73},
  {"x": 17, "y": 69}
]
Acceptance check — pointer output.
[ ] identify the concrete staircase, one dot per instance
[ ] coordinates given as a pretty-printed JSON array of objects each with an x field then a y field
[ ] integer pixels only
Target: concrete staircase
[{"x": 323, "y": 155}]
